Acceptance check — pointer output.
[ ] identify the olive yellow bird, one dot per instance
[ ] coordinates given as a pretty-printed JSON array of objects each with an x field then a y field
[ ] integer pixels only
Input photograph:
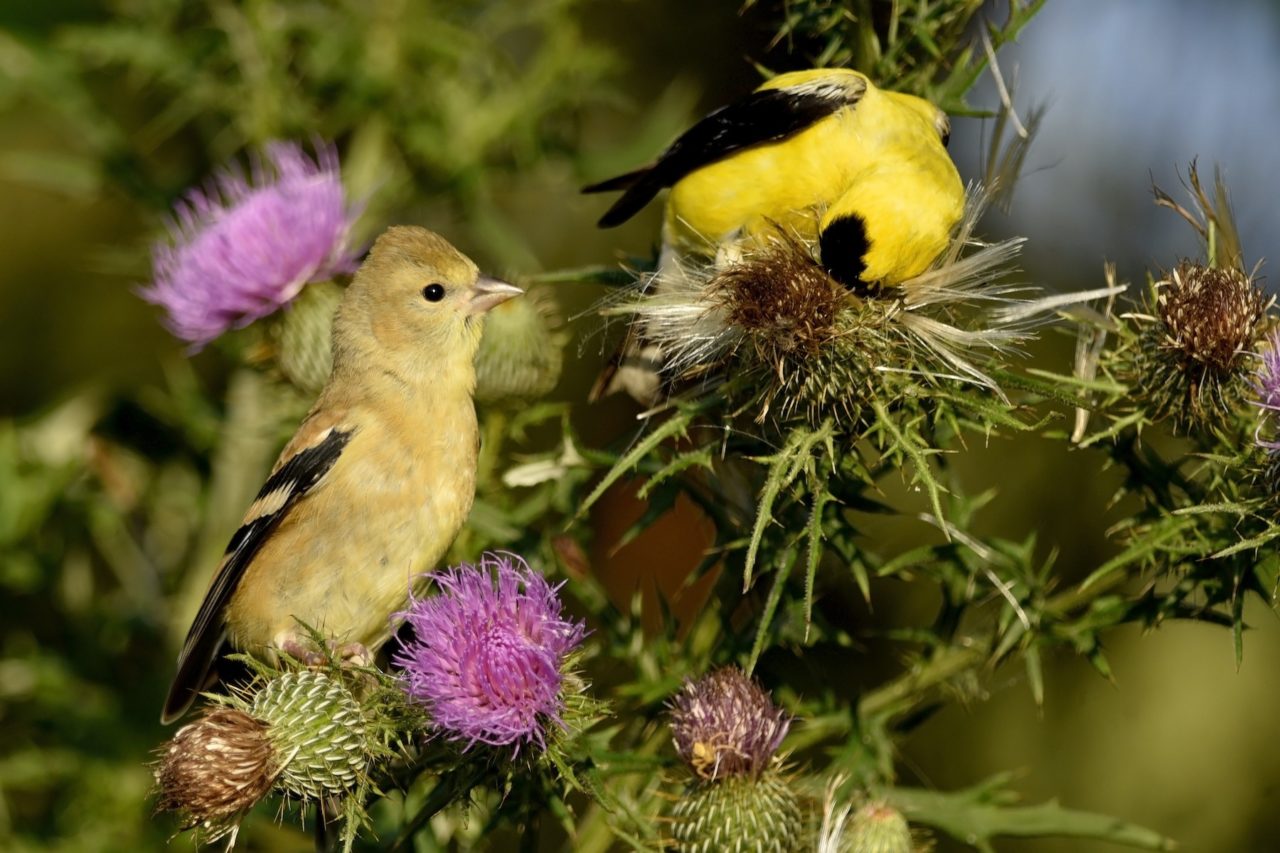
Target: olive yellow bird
[
  {"x": 377, "y": 481},
  {"x": 822, "y": 153}
]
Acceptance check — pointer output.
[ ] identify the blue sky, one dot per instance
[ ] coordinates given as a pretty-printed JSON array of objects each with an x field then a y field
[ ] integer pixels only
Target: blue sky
[{"x": 1137, "y": 88}]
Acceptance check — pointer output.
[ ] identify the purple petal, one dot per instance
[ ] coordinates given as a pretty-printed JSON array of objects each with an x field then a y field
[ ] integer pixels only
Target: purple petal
[
  {"x": 487, "y": 652},
  {"x": 240, "y": 251}
]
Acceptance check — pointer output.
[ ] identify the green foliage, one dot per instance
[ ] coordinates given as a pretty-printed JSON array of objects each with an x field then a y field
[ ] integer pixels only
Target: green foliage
[
  {"x": 113, "y": 507},
  {"x": 428, "y": 99},
  {"x": 923, "y": 48},
  {"x": 986, "y": 811}
]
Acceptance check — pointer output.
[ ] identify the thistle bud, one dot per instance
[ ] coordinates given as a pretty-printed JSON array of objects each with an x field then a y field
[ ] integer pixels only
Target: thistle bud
[
  {"x": 520, "y": 355},
  {"x": 304, "y": 336},
  {"x": 739, "y": 814},
  {"x": 727, "y": 730},
  {"x": 1210, "y": 314},
  {"x": 215, "y": 769},
  {"x": 879, "y": 828},
  {"x": 313, "y": 720}
]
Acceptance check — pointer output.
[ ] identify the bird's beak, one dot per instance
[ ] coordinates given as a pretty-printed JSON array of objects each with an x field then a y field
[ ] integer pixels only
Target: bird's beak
[{"x": 489, "y": 292}]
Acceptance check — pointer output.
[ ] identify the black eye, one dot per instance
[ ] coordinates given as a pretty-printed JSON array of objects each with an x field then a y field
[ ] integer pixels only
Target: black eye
[{"x": 433, "y": 292}]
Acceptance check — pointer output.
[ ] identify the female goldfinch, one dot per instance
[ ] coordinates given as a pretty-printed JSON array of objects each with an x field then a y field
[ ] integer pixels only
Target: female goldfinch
[{"x": 378, "y": 479}]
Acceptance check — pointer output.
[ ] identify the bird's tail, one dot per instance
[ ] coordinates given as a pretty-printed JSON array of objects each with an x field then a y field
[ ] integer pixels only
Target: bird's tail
[
  {"x": 618, "y": 182},
  {"x": 641, "y": 186},
  {"x": 196, "y": 674}
]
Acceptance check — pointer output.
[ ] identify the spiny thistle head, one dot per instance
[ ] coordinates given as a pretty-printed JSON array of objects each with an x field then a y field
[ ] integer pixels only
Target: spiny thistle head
[
  {"x": 314, "y": 720},
  {"x": 521, "y": 352},
  {"x": 242, "y": 249},
  {"x": 739, "y": 814},
  {"x": 1210, "y": 315},
  {"x": 725, "y": 725},
  {"x": 768, "y": 325},
  {"x": 309, "y": 734},
  {"x": 488, "y": 654},
  {"x": 304, "y": 336},
  {"x": 215, "y": 769},
  {"x": 780, "y": 298},
  {"x": 1188, "y": 348},
  {"x": 877, "y": 827}
]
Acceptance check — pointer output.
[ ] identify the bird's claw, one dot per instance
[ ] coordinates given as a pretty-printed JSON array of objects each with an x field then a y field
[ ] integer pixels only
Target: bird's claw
[{"x": 348, "y": 654}]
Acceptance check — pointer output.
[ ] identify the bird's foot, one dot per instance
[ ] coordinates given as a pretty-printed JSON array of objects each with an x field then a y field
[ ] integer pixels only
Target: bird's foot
[
  {"x": 303, "y": 652},
  {"x": 355, "y": 654}
]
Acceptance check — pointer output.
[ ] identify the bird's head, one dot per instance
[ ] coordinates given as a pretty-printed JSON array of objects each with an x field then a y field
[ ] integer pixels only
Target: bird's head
[
  {"x": 415, "y": 306},
  {"x": 927, "y": 112}
]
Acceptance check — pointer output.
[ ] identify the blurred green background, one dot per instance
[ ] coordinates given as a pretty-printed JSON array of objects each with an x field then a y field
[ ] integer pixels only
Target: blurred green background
[{"x": 1181, "y": 742}]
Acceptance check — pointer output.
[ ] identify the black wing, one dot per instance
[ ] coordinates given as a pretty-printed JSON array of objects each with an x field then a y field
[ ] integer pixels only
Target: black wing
[
  {"x": 763, "y": 116},
  {"x": 278, "y": 496}
]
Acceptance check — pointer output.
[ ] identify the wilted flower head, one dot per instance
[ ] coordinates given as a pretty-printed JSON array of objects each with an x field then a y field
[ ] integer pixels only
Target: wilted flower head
[
  {"x": 769, "y": 323},
  {"x": 215, "y": 769},
  {"x": 724, "y": 724},
  {"x": 488, "y": 652},
  {"x": 241, "y": 250},
  {"x": 1210, "y": 314}
]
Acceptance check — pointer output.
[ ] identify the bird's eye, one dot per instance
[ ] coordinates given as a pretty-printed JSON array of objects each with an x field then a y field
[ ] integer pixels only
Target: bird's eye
[{"x": 433, "y": 292}]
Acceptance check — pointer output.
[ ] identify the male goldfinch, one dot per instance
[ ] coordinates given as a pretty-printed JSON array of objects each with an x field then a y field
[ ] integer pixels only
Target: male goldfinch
[
  {"x": 822, "y": 153},
  {"x": 378, "y": 479}
]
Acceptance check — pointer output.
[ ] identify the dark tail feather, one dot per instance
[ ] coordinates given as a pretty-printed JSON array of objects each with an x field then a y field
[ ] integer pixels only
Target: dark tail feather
[
  {"x": 640, "y": 186},
  {"x": 195, "y": 674},
  {"x": 620, "y": 182}
]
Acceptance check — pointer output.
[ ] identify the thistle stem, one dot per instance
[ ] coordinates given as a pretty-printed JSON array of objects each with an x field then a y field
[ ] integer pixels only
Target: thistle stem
[{"x": 909, "y": 690}]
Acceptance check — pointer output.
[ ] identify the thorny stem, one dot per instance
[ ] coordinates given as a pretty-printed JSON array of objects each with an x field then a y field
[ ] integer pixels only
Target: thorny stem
[{"x": 908, "y": 691}]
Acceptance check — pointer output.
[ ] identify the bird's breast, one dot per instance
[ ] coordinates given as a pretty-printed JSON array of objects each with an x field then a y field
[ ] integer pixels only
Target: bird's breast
[{"x": 346, "y": 559}]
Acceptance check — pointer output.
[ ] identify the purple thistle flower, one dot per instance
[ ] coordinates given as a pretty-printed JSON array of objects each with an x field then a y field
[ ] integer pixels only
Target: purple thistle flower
[
  {"x": 725, "y": 724},
  {"x": 241, "y": 250},
  {"x": 1266, "y": 385},
  {"x": 487, "y": 652}
]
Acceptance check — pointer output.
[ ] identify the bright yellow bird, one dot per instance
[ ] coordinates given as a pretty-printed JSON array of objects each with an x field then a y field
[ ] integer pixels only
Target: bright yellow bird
[
  {"x": 377, "y": 481},
  {"x": 823, "y": 153}
]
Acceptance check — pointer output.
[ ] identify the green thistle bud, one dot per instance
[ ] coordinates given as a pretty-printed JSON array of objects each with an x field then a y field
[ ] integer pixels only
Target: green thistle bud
[
  {"x": 319, "y": 730},
  {"x": 304, "y": 336},
  {"x": 215, "y": 769},
  {"x": 520, "y": 354},
  {"x": 1210, "y": 315},
  {"x": 879, "y": 828},
  {"x": 739, "y": 814}
]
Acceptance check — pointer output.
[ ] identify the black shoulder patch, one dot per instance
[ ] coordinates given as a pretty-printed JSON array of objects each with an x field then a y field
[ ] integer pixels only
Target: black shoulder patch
[
  {"x": 277, "y": 497},
  {"x": 763, "y": 116},
  {"x": 843, "y": 246}
]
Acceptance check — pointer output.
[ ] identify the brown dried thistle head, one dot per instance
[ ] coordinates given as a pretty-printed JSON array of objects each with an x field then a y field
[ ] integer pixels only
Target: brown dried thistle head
[
  {"x": 783, "y": 301},
  {"x": 1210, "y": 314},
  {"x": 215, "y": 769}
]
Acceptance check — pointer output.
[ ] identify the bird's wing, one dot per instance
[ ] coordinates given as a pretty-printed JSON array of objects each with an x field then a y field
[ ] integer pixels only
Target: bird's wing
[
  {"x": 766, "y": 115},
  {"x": 301, "y": 467}
]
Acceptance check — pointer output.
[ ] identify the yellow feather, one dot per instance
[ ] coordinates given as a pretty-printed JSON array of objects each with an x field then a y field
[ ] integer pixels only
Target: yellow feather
[{"x": 881, "y": 159}]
